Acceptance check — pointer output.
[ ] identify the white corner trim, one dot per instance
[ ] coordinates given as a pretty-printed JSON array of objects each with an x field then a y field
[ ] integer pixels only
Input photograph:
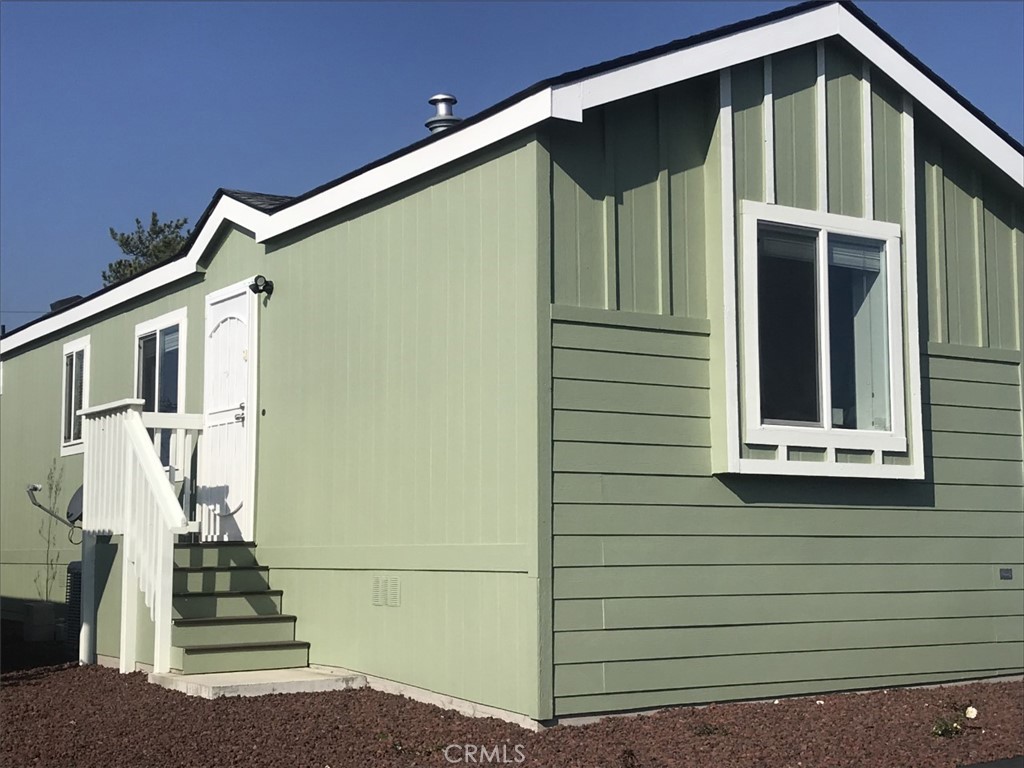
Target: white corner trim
[
  {"x": 821, "y": 129},
  {"x": 990, "y": 144},
  {"x": 913, "y": 330},
  {"x": 729, "y": 299},
  {"x": 867, "y": 142},
  {"x": 768, "y": 131},
  {"x": 517, "y": 117},
  {"x": 227, "y": 209}
]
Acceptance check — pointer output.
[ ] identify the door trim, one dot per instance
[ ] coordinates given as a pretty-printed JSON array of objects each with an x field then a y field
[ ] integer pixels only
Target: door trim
[{"x": 252, "y": 392}]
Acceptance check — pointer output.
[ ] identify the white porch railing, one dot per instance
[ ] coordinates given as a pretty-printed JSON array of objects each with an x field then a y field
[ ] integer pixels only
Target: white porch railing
[{"x": 127, "y": 491}]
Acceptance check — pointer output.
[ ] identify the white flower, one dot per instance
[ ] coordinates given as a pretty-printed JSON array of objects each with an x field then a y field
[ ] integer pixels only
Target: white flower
[
  {"x": 971, "y": 713},
  {"x": 819, "y": 701}
]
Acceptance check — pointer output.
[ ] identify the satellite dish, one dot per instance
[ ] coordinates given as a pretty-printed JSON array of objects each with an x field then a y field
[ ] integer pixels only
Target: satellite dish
[{"x": 75, "y": 507}]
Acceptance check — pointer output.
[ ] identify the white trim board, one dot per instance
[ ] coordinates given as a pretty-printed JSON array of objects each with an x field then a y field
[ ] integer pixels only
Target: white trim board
[
  {"x": 752, "y": 214},
  {"x": 568, "y": 101},
  {"x": 178, "y": 317},
  {"x": 82, "y": 344}
]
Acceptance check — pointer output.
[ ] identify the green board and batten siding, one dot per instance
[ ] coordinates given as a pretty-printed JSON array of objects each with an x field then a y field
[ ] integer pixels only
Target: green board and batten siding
[
  {"x": 672, "y": 585},
  {"x": 628, "y": 191}
]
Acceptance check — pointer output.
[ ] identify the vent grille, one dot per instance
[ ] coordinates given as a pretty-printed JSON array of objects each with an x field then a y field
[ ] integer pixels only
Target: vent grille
[
  {"x": 386, "y": 591},
  {"x": 394, "y": 592},
  {"x": 73, "y": 603}
]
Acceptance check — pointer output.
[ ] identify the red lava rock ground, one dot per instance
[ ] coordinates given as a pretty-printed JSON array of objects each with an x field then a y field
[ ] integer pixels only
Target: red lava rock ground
[{"x": 92, "y": 716}]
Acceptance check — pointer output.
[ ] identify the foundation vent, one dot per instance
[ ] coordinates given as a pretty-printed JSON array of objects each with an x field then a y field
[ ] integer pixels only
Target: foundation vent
[{"x": 386, "y": 592}]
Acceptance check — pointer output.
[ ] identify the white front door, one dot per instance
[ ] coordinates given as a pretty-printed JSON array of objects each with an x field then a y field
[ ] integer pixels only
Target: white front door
[{"x": 227, "y": 449}]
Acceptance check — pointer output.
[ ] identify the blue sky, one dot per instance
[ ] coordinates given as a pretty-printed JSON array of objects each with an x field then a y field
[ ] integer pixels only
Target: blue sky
[{"x": 111, "y": 110}]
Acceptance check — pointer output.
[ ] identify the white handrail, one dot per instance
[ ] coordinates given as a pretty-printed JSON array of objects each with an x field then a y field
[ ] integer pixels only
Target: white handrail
[{"x": 125, "y": 491}]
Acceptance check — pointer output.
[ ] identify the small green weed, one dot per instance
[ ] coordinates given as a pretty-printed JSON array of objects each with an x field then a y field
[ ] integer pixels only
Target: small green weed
[{"x": 946, "y": 729}]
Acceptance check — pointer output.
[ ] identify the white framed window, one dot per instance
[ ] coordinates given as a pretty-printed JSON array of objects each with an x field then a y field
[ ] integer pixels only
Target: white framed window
[
  {"x": 159, "y": 371},
  {"x": 74, "y": 394},
  {"x": 822, "y": 330}
]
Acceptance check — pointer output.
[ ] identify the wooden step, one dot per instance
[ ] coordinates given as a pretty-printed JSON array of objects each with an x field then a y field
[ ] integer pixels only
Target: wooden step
[
  {"x": 239, "y": 657},
  {"x": 224, "y": 554},
  {"x": 232, "y": 629},
  {"x": 207, "y": 605},
  {"x": 217, "y": 579}
]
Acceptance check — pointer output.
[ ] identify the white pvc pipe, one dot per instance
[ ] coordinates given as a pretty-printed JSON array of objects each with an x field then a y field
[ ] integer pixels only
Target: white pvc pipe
[{"x": 87, "y": 633}]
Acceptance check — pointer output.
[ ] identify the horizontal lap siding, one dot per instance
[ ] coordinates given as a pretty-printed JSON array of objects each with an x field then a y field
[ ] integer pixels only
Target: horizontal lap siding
[{"x": 674, "y": 586}]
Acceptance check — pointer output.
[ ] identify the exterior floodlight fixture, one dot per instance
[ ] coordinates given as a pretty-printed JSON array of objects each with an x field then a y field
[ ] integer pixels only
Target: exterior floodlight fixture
[{"x": 260, "y": 284}]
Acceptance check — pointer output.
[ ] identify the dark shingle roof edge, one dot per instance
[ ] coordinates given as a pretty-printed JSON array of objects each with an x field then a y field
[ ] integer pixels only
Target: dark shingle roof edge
[{"x": 257, "y": 200}]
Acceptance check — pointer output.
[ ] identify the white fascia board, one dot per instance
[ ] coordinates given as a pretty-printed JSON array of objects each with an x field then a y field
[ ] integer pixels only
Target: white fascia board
[
  {"x": 227, "y": 209},
  {"x": 711, "y": 56},
  {"x": 781, "y": 35},
  {"x": 990, "y": 144},
  {"x": 517, "y": 117}
]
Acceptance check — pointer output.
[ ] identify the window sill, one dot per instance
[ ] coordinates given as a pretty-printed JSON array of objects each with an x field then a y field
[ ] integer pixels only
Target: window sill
[
  {"x": 71, "y": 449},
  {"x": 817, "y": 437},
  {"x": 791, "y": 467}
]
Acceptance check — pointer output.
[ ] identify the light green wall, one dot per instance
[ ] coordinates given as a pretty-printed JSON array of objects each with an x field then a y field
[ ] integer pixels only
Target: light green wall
[
  {"x": 398, "y": 375},
  {"x": 398, "y": 424},
  {"x": 29, "y": 447}
]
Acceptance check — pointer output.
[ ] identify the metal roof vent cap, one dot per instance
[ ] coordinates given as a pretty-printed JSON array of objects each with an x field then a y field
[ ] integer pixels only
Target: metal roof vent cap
[{"x": 444, "y": 117}]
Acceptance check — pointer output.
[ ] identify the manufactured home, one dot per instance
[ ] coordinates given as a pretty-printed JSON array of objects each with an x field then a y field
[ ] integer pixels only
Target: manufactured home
[{"x": 690, "y": 376}]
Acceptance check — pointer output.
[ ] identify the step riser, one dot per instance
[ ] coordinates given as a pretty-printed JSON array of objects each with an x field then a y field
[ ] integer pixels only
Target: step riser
[
  {"x": 208, "y": 607},
  {"x": 197, "y": 663},
  {"x": 240, "y": 579},
  {"x": 214, "y": 557},
  {"x": 227, "y": 633}
]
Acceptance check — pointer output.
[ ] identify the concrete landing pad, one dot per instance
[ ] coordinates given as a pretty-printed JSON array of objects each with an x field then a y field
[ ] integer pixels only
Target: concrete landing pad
[{"x": 259, "y": 683}]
